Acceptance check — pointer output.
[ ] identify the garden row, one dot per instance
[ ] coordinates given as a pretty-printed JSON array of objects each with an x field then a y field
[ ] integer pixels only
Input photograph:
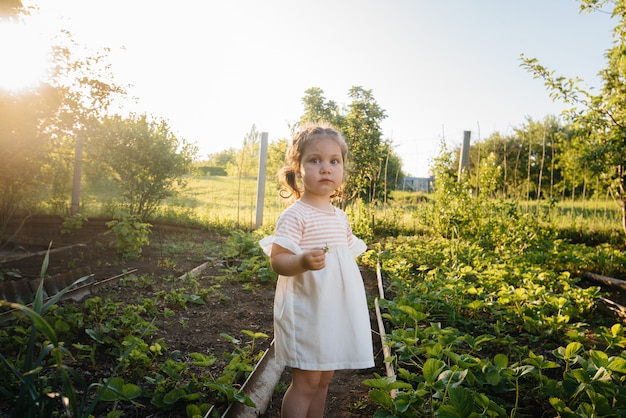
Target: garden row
[
  {"x": 498, "y": 330},
  {"x": 128, "y": 350}
]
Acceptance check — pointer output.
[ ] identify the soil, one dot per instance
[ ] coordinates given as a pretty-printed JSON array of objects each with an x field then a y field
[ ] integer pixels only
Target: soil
[{"x": 232, "y": 307}]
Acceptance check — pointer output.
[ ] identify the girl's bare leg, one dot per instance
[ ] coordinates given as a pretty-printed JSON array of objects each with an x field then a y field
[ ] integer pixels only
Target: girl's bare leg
[
  {"x": 306, "y": 396},
  {"x": 316, "y": 410}
]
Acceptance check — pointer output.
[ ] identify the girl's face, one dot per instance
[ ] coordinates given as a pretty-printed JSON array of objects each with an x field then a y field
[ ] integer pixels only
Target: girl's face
[{"x": 321, "y": 168}]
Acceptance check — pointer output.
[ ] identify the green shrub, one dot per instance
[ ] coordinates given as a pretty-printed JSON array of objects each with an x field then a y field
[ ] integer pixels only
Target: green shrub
[{"x": 130, "y": 235}]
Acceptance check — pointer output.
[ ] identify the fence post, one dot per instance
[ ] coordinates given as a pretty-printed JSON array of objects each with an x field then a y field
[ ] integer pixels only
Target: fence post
[
  {"x": 465, "y": 149},
  {"x": 260, "y": 189},
  {"x": 78, "y": 169}
]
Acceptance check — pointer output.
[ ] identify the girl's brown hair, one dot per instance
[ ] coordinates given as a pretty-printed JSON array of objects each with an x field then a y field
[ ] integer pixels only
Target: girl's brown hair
[{"x": 288, "y": 175}]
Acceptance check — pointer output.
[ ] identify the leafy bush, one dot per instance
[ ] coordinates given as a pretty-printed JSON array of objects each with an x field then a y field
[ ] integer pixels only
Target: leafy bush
[{"x": 130, "y": 235}]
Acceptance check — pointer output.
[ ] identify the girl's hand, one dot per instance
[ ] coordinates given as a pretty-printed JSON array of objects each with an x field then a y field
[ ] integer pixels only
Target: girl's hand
[
  {"x": 287, "y": 263},
  {"x": 314, "y": 259}
]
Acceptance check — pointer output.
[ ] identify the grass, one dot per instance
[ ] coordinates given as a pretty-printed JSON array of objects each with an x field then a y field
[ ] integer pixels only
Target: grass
[
  {"x": 216, "y": 199},
  {"x": 589, "y": 216},
  {"x": 230, "y": 202}
]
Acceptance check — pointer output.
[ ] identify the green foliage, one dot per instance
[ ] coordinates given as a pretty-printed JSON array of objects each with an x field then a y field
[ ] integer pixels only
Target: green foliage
[
  {"x": 25, "y": 147},
  {"x": 190, "y": 292},
  {"x": 474, "y": 302},
  {"x": 362, "y": 219},
  {"x": 319, "y": 110},
  {"x": 222, "y": 159},
  {"x": 471, "y": 309},
  {"x": 209, "y": 170},
  {"x": 116, "y": 389},
  {"x": 73, "y": 223},
  {"x": 362, "y": 131},
  {"x": 245, "y": 161},
  {"x": 276, "y": 153},
  {"x": 598, "y": 119},
  {"x": 38, "y": 373},
  {"x": 532, "y": 162},
  {"x": 43, "y": 382},
  {"x": 245, "y": 259},
  {"x": 39, "y": 381},
  {"x": 130, "y": 235},
  {"x": 373, "y": 166},
  {"x": 174, "y": 385},
  {"x": 41, "y": 129},
  {"x": 144, "y": 158},
  {"x": 494, "y": 224}
]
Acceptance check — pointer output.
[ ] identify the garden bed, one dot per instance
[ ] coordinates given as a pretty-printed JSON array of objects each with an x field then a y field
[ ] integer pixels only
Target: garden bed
[{"x": 229, "y": 306}]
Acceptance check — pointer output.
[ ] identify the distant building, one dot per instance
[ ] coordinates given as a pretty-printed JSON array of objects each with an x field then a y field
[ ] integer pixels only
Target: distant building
[{"x": 417, "y": 184}]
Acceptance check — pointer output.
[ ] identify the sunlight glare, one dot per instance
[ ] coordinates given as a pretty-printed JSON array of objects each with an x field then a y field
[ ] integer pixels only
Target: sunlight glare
[{"x": 24, "y": 55}]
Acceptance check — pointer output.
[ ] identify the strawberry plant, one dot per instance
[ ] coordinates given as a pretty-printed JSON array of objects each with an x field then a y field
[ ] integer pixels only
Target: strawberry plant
[{"x": 488, "y": 320}]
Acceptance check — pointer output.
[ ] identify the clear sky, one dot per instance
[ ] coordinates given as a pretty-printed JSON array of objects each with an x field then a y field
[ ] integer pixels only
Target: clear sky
[{"x": 212, "y": 69}]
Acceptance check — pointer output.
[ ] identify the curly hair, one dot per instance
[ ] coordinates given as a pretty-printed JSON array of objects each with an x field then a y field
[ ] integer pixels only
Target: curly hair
[{"x": 288, "y": 175}]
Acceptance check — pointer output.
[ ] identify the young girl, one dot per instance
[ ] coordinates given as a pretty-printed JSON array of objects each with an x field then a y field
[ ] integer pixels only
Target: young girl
[{"x": 321, "y": 319}]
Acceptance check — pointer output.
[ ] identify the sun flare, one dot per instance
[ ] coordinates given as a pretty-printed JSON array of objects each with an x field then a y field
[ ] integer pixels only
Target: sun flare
[{"x": 24, "y": 54}]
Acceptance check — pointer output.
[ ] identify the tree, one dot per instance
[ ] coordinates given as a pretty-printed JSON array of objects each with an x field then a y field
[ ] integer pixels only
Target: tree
[
  {"x": 245, "y": 161},
  {"x": 318, "y": 109},
  {"x": 373, "y": 166},
  {"x": 276, "y": 153},
  {"x": 25, "y": 142},
  {"x": 144, "y": 158},
  {"x": 222, "y": 158},
  {"x": 391, "y": 168},
  {"x": 529, "y": 159},
  {"x": 367, "y": 154},
  {"x": 26, "y": 138},
  {"x": 216, "y": 163},
  {"x": 490, "y": 175},
  {"x": 44, "y": 128},
  {"x": 599, "y": 119}
]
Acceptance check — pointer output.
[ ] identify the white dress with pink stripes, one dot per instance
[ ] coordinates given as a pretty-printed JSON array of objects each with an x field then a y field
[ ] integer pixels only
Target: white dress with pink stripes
[{"x": 321, "y": 319}]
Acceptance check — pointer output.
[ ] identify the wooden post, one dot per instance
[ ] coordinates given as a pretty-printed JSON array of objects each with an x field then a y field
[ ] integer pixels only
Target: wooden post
[
  {"x": 260, "y": 194},
  {"x": 465, "y": 148},
  {"x": 78, "y": 170}
]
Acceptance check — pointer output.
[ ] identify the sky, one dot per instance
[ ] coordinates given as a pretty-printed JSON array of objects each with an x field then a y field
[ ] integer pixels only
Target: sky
[{"x": 213, "y": 69}]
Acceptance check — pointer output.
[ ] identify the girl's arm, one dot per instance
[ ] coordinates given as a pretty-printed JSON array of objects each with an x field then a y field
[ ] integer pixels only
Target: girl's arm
[{"x": 286, "y": 263}]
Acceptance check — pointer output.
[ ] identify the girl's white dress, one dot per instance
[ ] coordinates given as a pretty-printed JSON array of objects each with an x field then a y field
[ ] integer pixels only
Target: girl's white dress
[{"x": 321, "y": 318}]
